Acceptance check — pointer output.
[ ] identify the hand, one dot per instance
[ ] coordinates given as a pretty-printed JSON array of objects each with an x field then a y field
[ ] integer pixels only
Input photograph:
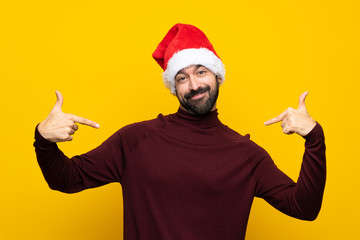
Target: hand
[
  {"x": 295, "y": 120},
  {"x": 59, "y": 126}
]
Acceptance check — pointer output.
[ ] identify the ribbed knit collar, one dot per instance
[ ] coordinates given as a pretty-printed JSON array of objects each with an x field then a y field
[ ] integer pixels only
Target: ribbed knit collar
[{"x": 207, "y": 120}]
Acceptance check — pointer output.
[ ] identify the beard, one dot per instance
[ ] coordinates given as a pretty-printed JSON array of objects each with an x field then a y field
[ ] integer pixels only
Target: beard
[{"x": 200, "y": 106}]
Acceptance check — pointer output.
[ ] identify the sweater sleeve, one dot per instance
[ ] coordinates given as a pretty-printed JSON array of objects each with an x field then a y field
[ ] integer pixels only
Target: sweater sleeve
[
  {"x": 100, "y": 166},
  {"x": 302, "y": 199}
]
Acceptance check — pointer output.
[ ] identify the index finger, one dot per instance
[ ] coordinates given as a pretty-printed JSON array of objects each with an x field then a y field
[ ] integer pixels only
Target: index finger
[
  {"x": 275, "y": 119},
  {"x": 85, "y": 121}
]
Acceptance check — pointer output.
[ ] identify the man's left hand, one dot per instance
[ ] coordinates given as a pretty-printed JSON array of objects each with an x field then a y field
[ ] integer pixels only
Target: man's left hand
[{"x": 295, "y": 120}]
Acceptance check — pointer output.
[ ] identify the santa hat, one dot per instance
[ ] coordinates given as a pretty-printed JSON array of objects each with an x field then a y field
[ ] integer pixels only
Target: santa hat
[{"x": 185, "y": 45}]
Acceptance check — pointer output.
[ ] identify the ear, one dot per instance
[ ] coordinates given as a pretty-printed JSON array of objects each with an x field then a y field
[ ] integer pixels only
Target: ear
[{"x": 218, "y": 79}]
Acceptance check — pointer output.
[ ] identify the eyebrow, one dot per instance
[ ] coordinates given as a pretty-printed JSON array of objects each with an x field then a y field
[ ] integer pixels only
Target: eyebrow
[{"x": 196, "y": 68}]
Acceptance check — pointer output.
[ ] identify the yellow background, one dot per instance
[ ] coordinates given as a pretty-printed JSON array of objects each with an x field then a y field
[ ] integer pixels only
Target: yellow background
[{"x": 98, "y": 54}]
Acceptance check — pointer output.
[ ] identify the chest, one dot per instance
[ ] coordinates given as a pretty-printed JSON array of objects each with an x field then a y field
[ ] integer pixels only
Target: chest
[{"x": 165, "y": 165}]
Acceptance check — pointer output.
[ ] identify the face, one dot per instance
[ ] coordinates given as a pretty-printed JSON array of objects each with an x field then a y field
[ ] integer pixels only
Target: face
[{"x": 197, "y": 89}]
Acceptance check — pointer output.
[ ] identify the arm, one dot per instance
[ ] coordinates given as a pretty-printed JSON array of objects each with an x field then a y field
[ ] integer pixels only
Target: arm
[
  {"x": 97, "y": 167},
  {"x": 303, "y": 199}
]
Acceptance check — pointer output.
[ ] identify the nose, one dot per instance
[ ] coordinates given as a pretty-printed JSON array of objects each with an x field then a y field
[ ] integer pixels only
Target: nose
[{"x": 193, "y": 83}]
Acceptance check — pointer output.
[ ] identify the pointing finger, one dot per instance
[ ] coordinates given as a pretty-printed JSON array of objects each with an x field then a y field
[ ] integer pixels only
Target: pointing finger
[
  {"x": 302, "y": 99},
  {"x": 276, "y": 119},
  {"x": 85, "y": 121}
]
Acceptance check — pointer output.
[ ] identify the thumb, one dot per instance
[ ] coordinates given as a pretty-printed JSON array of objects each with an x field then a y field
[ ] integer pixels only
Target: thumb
[
  {"x": 302, "y": 100},
  {"x": 59, "y": 102}
]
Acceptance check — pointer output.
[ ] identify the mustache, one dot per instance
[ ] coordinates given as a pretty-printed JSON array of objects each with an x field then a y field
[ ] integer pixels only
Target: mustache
[{"x": 200, "y": 90}]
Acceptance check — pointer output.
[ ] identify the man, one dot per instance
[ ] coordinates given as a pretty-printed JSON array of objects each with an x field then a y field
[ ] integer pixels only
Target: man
[{"x": 186, "y": 175}]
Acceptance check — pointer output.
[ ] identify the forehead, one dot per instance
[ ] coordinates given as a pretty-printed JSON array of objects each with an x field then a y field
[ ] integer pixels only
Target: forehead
[{"x": 190, "y": 68}]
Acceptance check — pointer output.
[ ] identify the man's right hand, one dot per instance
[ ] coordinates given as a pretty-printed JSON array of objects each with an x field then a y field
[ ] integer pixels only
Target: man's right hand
[{"x": 59, "y": 126}]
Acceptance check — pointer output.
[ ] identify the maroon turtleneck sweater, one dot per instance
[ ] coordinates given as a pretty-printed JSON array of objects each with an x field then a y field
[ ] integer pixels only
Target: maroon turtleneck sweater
[{"x": 188, "y": 178}]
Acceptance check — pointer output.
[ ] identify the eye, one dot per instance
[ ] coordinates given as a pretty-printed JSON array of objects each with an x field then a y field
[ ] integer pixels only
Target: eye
[
  {"x": 201, "y": 72},
  {"x": 180, "y": 78}
]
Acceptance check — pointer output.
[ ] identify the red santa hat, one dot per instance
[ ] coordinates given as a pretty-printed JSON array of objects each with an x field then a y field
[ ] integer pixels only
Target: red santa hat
[{"x": 185, "y": 45}]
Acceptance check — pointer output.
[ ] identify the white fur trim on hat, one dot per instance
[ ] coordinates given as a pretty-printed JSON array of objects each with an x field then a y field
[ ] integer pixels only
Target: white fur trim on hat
[{"x": 188, "y": 57}]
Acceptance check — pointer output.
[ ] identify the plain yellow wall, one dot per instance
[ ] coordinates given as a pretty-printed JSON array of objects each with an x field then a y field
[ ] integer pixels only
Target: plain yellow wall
[{"x": 98, "y": 54}]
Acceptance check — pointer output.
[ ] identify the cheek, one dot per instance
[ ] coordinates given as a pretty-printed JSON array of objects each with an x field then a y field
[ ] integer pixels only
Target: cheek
[
  {"x": 212, "y": 82},
  {"x": 180, "y": 90}
]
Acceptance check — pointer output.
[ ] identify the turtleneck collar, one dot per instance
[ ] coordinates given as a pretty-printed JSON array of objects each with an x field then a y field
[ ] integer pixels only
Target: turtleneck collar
[{"x": 207, "y": 120}]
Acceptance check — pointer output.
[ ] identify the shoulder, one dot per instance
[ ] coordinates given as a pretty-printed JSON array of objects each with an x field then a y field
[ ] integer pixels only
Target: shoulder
[
  {"x": 233, "y": 136},
  {"x": 131, "y": 135},
  {"x": 142, "y": 128},
  {"x": 245, "y": 145}
]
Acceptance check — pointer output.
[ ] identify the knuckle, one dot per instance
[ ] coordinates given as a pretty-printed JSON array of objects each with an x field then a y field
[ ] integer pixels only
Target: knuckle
[
  {"x": 69, "y": 122},
  {"x": 290, "y": 110},
  {"x": 287, "y": 130},
  {"x": 64, "y": 136},
  {"x": 71, "y": 117}
]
